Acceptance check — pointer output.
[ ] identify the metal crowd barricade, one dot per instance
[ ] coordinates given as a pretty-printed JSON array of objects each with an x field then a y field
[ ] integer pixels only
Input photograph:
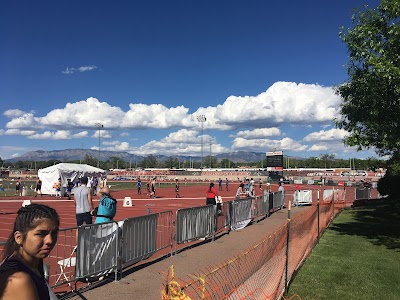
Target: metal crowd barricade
[
  {"x": 261, "y": 206},
  {"x": 241, "y": 213},
  {"x": 195, "y": 222},
  {"x": 278, "y": 200},
  {"x": 328, "y": 195},
  {"x": 363, "y": 193},
  {"x": 303, "y": 197},
  {"x": 138, "y": 238},
  {"x": 223, "y": 220},
  {"x": 62, "y": 259},
  {"x": 97, "y": 251}
]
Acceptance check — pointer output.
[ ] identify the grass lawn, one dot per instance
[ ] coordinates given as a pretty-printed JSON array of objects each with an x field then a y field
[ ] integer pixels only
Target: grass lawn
[{"x": 358, "y": 257}]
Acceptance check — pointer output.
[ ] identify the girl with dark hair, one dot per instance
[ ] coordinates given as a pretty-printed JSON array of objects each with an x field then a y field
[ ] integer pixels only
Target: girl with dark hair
[
  {"x": 33, "y": 237},
  {"x": 211, "y": 193}
]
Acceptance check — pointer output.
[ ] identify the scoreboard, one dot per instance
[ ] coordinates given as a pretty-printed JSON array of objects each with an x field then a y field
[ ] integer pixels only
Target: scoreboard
[{"x": 275, "y": 160}]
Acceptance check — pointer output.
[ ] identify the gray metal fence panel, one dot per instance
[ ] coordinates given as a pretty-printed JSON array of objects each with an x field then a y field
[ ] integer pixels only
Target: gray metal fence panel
[
  {"x": 224, "y": 219},
  {"x": 278, "y": 198},
  {"x": 241, "y": 213},
  {"x": 195, "y": 222},
  {"x": 165, "y": 229},
  {"x": 261, "y": 206},
  {"x": 363, "y": 193},
  {"x": 63, "y": 258},
  {"x": 97, "y": 251},
  {"x": 264, "y": 207},
  {"x": 139, "y": 238},
  {"x": 303, "y": 197}
]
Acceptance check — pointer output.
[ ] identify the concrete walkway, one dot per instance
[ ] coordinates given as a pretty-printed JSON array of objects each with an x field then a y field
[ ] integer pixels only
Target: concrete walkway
[{"x": 145, "y": 281}]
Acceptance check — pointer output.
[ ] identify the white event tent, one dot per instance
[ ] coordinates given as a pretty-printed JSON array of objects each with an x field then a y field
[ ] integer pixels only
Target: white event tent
[{"x": 65, "y": 171}]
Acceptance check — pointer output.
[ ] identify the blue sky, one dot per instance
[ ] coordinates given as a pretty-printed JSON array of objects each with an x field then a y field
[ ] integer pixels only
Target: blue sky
[{"x": 261, "y": 72}]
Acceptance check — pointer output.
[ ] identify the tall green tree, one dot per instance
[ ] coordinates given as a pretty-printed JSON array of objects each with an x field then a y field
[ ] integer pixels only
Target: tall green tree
[
  {"x": 150, "y": 161},
  {"x": 371, "y": 98},
  {"x": 210, "y": 162},
  {"x": 90, "y": 160}
]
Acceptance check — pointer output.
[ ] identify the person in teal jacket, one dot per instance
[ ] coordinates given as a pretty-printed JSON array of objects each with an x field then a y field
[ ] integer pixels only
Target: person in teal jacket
[{"x": 107, "y": 208}]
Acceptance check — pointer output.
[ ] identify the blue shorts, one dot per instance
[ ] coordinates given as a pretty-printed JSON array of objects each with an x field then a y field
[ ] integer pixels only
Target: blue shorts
[{"x": 84, "y": 217}]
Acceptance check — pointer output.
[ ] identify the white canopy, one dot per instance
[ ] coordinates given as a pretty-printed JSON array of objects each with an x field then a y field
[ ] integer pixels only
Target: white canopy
[{"x": 65, "y": 171}]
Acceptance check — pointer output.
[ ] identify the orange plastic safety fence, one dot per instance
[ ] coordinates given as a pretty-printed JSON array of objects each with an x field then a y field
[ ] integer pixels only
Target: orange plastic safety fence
[{"x": 259, "y": 272}]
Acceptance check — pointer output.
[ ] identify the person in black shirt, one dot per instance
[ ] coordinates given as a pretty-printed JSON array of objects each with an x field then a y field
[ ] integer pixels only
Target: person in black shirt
[{"x": 38, "y": 188}]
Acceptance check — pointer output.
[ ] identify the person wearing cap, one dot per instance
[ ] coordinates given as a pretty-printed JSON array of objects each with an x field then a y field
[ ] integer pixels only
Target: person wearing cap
[
  {"x": 83, "y": 203},
  {"x": 107, "y": 207}
]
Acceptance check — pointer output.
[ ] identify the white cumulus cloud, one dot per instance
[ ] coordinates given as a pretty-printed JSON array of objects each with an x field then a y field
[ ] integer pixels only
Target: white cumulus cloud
[
  {"x": 263, "y": 145},
  {"x": 49, "y": 135},
  {"x": 326, "y": 135},
  {"x": 259, "y": 133},
  {"x": 69, "y": 70},
  {"x": 14, "y": 113}
]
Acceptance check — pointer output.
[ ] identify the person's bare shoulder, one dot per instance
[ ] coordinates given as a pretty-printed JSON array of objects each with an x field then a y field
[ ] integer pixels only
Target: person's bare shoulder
[{"x": 20, "y": 286}]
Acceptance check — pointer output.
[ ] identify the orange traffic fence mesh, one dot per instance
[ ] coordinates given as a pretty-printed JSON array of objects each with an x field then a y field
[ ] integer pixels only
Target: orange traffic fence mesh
[
  {"x": 239, "y": 276},
  {"x": 264, "y": 270}
]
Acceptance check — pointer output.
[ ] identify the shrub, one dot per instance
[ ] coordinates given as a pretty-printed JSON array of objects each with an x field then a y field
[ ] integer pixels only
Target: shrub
[{"x": 388, "y": 185}]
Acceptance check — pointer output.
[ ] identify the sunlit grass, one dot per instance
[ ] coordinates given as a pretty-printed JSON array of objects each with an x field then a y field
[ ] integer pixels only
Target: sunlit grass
[{"x": 358, "y": 257}]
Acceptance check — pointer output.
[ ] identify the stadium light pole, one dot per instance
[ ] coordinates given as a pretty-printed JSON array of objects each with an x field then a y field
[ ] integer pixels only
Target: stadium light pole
[
  {"x": 210, "y": 152},
  {"x": 201, "y": 119},
  {"x": 99, "y": 126}
]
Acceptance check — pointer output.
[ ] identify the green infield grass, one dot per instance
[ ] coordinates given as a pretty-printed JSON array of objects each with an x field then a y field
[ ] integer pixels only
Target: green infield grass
[{"x": 358, "y": 257}]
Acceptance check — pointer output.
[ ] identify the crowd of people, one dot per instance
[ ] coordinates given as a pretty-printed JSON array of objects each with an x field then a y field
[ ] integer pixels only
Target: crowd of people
[{"x": 62, "y": 188}]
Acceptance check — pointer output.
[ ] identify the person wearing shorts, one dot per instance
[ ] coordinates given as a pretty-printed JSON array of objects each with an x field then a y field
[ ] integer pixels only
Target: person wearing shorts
[
  {"x": 177, "y": 188},
  {"x": 38, "y": 188},
  {"x": 18, "y": 188},
  {"x": 83, "y": 203},
  {"x": 153, "y": 188},
  {"x": 139, "y": 186}
]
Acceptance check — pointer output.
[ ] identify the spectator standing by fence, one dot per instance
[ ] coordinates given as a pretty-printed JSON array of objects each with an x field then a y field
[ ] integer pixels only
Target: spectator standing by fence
[
  {"x": 83, "y": 203},
  {"x": 239, "y": 191},
  {"x": 211, "y": 193},
  {"x": 33, "y": 237},
  {"x": 107, "y": 207},
  {"x": 281, "y": 188}
]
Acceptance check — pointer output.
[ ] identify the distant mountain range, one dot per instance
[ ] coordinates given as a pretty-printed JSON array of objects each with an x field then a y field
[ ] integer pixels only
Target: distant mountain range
[{"x": 79, "y": 154}]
